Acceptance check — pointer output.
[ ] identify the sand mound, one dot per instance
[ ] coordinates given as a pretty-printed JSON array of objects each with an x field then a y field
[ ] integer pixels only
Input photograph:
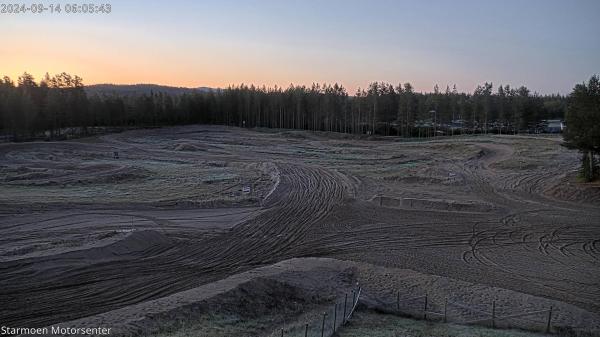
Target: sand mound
[
  {"x": 24, "y": 174},
  {"x": 135, "y": 246},
  {"x": 189, "y": 147},
  {"x": 416, "y": 179},
  {"x": 138, "y": 243},
  {"x": 118, "y": 175},
  {"x": 433, "y": 204},
  {"x": 74, "y": 175},
  {"x": 294, "y": 134},
  {"x": 287, "y": 288}
]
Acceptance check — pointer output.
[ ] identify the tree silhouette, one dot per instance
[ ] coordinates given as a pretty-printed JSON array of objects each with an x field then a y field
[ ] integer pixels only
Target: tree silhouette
[
  {"x": 59, "y": 107},
  {"x": 583, "y": 124}
]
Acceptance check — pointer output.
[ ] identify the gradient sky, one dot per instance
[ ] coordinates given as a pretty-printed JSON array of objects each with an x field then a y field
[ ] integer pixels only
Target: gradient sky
[{"x": 546, "y": 45}]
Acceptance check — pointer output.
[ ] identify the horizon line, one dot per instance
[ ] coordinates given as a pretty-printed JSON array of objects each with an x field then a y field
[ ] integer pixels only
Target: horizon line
[
  {"x": 532, "y": 91},
  {"x": 441, "y": 87}
]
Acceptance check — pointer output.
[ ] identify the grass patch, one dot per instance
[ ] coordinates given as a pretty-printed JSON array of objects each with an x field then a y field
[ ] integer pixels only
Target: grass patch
[
  {"x": 216, "y": 325},
  {"x": 381, "y": 325}
]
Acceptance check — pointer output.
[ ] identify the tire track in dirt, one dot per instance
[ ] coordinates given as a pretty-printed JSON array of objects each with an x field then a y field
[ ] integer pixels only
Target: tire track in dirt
[
  {"x": 300, "y": 218},
  {"x": 65, "y": 287}
]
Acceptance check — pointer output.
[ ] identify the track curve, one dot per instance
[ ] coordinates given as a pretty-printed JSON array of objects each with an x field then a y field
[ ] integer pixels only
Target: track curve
[{"x": 76, "y": 284}]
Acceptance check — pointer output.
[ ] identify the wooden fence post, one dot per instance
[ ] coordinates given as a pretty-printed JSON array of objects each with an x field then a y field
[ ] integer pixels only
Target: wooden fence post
[
  {"x": 281, "y": 332},
  {"x": 425, "y": 308},
  {"x": 306, "y": 330},
  {"x": 323, "y": 325},
  {"x": 345, "y": 301},
  {"x": 446, "y": 310},
  {"x": 334, "y": 317},
  {"x": 549, "y": 320},
  {"x": 494, "y": 314},
  {"x": 398, "y": 301}
]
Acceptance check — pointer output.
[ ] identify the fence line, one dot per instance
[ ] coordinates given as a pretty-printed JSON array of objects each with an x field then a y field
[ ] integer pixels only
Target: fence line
[
  {"x": 327, "y": 324},
  {"x": 427, "y": 307}
]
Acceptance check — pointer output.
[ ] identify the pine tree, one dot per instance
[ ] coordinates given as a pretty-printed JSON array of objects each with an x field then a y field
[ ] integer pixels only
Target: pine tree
[{"x": 583, "y": 124}]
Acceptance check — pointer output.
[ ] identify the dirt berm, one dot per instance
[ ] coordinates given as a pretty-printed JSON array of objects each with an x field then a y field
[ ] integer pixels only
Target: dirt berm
[{"x": 301, "y": 285}]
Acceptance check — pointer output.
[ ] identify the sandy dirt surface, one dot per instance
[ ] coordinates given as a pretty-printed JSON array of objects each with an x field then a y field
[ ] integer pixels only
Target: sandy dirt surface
[
  {"x": 306, "y": 287},
  {"x": 85, "y": 233}
]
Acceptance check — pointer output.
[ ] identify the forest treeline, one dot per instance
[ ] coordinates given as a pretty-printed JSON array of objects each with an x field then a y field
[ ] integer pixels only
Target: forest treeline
[{"x": 30, "y": 109}]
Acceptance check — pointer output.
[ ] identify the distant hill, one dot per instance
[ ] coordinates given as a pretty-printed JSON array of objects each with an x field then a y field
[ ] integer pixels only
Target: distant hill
[{"x": 140, "y": 89}]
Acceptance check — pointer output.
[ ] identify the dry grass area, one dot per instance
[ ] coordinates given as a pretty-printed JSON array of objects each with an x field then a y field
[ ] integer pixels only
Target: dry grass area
[
  {"x": 378, "y": 325},
  {"x": 84, "y": 232}
]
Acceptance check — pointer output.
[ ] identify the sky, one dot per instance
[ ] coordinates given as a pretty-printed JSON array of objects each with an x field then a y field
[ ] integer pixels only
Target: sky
[{"x": 547, "y": 45}]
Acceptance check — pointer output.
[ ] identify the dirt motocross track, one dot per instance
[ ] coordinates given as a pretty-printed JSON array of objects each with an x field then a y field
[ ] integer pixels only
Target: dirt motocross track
[{"x": 85, "y": 230}]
